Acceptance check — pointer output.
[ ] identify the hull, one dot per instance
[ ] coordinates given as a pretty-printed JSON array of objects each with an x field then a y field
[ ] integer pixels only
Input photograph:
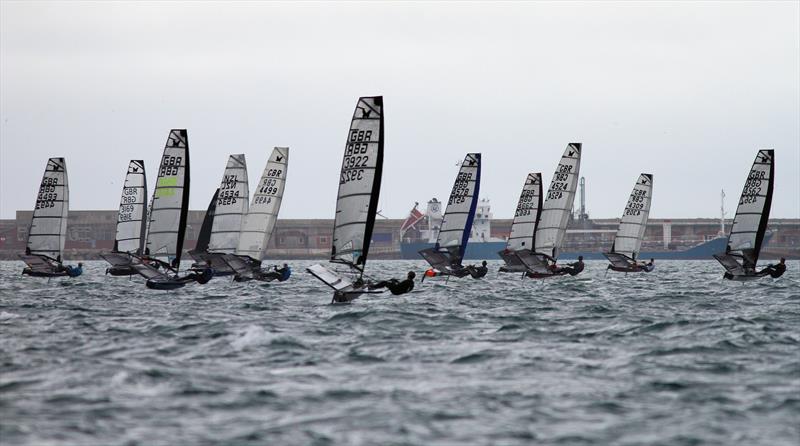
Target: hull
[
  {"x": 489, "y": 250},
  {"x": 164, "y": 283},
  {"x": 33, "y": 273},
  {"x": 121, "y": 270}
]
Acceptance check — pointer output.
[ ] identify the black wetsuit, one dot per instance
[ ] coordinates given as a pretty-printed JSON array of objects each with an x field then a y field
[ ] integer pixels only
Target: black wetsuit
[
  {"x": 573, "y": 269},
  {"x": 477, "y": 271},
  {"x": 281, "y": 274},
  {"x": 203, "y": 276},
  {"x": 774, "y": 271},
  {"x": 396, "y": 287}
]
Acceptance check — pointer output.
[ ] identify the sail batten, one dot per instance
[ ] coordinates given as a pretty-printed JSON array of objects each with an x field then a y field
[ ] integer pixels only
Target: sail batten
[
  {"x": 628, "y": 240},
  {"x": 47, "y": 233},
  {"x": 359, "y": 183},
  {"x": 169, "y": 208},
  {"x": 557, "y": 205}
]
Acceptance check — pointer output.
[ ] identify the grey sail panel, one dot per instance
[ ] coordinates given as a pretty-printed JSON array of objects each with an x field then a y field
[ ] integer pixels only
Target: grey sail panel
[
  {"x": 170, "y": 199},
  {"x": 48, "y": 231},
  {"x": 259, "y": 223},
  {"x": 628, "y": 240},
  {"x": 460, "y": 210},
  {"x": 526, "y": 216},
  {"x": 557, "y": 205},
  {"x": 752, "y": 213},
  {"x": 232, "y": 205},
  {"x": 359, "y": 183},
  {"x": 131, "y": 219}
]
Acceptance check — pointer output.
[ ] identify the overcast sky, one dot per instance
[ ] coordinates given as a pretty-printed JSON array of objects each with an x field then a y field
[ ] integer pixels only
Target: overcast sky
[{"x": 687, "y": 91}]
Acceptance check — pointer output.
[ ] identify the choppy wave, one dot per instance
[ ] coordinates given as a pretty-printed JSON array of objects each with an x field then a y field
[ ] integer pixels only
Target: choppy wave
[{"x": 674, "y": 357}]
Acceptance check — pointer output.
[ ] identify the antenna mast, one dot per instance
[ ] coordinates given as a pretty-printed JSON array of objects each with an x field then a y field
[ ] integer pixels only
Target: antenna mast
[
  {"x": 583, "y": 215},
  {"x": 722, "y": 213}
]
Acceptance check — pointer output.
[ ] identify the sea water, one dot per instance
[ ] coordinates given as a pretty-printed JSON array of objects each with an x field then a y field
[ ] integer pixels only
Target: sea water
[{"x": 674, "y": 357}]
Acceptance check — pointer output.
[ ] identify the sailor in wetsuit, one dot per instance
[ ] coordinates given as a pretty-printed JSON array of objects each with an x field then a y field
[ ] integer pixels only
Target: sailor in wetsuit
[
  {"x": 74, "y": 271},
  {"x": 774, "y": 271},
  {"x": 649, "y": 266},
  {"x": 573, "y": 269},
  {"x": 202, "y": 276},
  {"x": 478, "y": 271},
  {"x": 281, "y": 274},
  {"x": 397, "y": 287}
]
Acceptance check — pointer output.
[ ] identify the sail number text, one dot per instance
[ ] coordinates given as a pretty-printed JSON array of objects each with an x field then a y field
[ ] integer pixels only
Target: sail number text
[
  {"x": 635, "y": 203},
  {"x": 47, "y": 193},
  {"x": 130, "y": 196},
  {"x": 526, "y": 203},
  {"x": 268, "y": 187},
  {"x": 752, "y": 187},
  {"x": 560, "y": 182},
  {"x": 355, "y": 156},
  {"x": 169, "y": 165},
  {"x": 461, "y": 188}
]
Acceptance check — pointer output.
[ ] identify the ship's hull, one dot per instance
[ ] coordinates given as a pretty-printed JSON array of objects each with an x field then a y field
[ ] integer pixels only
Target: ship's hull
[{"x": 489, "y": 250}]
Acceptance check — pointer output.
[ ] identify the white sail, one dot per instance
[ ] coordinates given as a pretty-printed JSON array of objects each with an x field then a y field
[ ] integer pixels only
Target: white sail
[
  {"x": 48, "y": 230},
  {"x": 170, "y": 199},
  {"x": 460, "y": 210},
  {"x": 752, "y": 214},
  {"x": 526, "y": 216},
  {"x": 259, "y": 222},
  {"x": 232, "y": 206},
  {"x": 558, "y": 203},
  {"x": 131, "y": 224},
  {"x": 628, "y": 240},
  {"x": 359, "y": 183}
]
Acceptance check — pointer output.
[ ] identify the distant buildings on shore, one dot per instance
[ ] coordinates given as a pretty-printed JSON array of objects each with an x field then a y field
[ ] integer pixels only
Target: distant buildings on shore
[{"x": 92, "y": 232}]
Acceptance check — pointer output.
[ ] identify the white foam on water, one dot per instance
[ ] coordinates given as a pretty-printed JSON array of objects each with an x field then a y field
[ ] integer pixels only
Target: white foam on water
[
  {"x": 6, "y": 316},
  {"x": 252, "y": 335}
]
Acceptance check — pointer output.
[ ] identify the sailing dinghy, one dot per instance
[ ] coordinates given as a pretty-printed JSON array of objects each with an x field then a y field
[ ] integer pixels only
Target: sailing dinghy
[
  {"x": 446, "y": 255},
  {"x": 259, "y": 223},
  {"x": 356, "y": 202},
  {"x": 168, "y": 212},
  {"x": 628, "y": 240},
  {"x": 540, "y": 260},
  {"x": 226, "y": 221},
  {"x": 523, "y": 228},
  {"x": 131, "y": 234},
  {"x": 750, "y": 223},
  {"x": 48, "y": 231}
]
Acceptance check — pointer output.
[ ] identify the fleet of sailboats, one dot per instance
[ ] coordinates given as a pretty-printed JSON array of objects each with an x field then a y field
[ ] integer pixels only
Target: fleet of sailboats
[
  {"x": 259, "y": 222},
  {"x": 235, "y": 234},
  {"x": 540, "y": 260}
]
